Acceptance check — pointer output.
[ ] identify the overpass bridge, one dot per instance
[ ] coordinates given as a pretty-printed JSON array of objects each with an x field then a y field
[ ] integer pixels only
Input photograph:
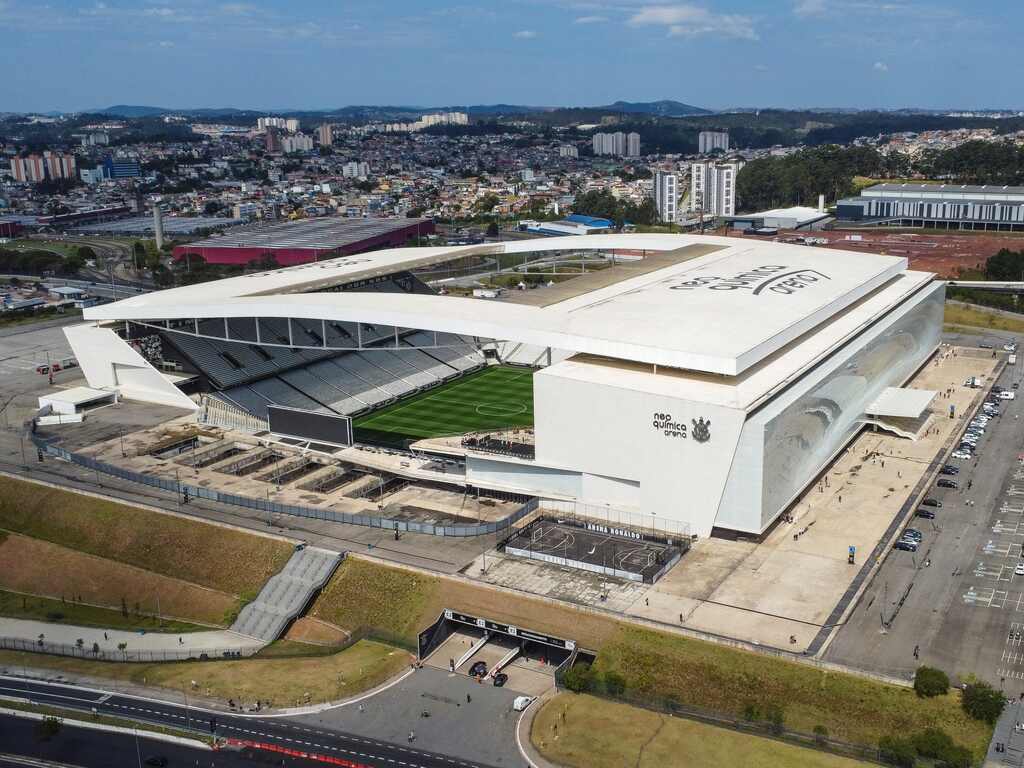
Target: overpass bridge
[{"x": 995, "y": 286}]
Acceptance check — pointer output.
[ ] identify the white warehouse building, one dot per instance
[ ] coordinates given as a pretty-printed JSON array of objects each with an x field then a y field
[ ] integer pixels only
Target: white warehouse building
[{"x": 702, "y": 387}]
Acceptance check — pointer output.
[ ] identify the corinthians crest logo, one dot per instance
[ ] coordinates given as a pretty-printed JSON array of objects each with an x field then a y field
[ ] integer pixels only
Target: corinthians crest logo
[{"x": 701, "y": 429}]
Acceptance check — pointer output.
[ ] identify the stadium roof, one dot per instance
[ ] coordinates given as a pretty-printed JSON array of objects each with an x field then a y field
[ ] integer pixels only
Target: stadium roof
[
  {"x": 947, "y": 191},
  {"x": 732, "y": 305},
  {"x": 326, "y": 234}
]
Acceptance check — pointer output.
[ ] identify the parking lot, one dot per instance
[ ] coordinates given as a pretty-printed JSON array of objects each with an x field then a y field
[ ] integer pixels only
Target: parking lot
[{"x": 957, "y": 602}]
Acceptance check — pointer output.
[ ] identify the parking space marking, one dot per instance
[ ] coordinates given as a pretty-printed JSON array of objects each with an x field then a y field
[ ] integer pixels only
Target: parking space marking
[
  {"x": 1015, "y": 674},
  {"x": 1006, "y": 528},
  {"x": 1009, "y": 509}
]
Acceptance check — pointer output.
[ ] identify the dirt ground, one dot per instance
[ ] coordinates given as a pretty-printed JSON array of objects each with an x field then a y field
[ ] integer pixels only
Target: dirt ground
[
  {"x": 316, "y": 631},
  {"x": 943, "y": 253},
  {"x": 41, "y": 568}
]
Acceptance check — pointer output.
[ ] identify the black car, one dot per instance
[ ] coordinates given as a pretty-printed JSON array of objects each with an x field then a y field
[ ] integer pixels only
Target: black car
[
  {"x": 944, "y": 483},
  {"x": 479, "y": 669},
  {"x": 500, "y": 679},
  {"x": 157, "y": 760},
  {"x": 927, "y": 514},
  {"x": 948, "y": 470},
  {"x": 931, "y": 503},
  {"x": 906, "y": 545}
]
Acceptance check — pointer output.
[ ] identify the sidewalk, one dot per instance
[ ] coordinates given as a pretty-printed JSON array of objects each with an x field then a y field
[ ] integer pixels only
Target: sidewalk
[
  {"x": 138, "y": 643},
  {"x": 525, "y": 727}
]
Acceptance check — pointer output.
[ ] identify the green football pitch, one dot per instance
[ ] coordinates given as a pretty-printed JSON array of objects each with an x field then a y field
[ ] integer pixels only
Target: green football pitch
[{"x": 492, "y": 399}]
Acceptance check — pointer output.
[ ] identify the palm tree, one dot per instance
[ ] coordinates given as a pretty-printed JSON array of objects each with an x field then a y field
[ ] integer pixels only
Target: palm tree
[
  {"x": 79, "y": 643},
  {"x": 123, "y": 648},
  {"x": 41, "y": 638}
]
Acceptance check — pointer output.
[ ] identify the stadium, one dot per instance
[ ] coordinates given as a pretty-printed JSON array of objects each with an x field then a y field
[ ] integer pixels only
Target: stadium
[{"x": 694, "y": 383}]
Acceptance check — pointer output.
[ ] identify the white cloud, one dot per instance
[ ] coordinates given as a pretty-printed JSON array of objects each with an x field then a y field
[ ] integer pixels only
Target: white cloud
[
  {"x": 687, "y": 20},
  {"x": 525, "y": 34},
  {"x": 237, "y": 9},
  {"x": 805, "y": 8},
  {"x": 591, "y": 20},
  {"x": 166, "y": 44},
  {"x": 881, "y": 66},
  {"x": 760, "y": 67}
]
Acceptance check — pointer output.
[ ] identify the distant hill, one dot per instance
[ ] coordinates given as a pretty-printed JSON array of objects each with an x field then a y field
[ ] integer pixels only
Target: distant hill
[
  {"x": 127, "y": 110},
  {"x": 663, "y": 108}
]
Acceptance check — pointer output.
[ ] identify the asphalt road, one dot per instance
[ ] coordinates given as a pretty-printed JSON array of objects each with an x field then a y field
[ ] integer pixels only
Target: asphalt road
[
  {"x": 21, "y": 747},
  {"x": 956, "y": 598},
  {"x": 285, "y": 732}
]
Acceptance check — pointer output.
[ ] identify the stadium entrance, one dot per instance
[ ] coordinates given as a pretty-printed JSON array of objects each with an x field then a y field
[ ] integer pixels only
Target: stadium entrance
[{"x": 494, "y": 652}]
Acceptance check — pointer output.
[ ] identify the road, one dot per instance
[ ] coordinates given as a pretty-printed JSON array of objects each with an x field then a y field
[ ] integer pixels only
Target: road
[{"x": 280, "y": 731}]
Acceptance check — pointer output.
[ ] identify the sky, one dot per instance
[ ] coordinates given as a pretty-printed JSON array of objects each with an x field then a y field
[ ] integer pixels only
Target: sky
[{"x": 319, "y": 54}]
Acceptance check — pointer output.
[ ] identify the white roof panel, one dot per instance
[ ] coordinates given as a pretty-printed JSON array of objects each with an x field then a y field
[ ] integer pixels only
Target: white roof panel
[
  {"x": 903, "y": 403},
  {"x": 721, "y": 312}
]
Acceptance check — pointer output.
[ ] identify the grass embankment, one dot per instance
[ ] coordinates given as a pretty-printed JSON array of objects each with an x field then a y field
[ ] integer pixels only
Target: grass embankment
[
  {"x": 180, "y": 549},
  {"x": 283, "y": 682},
  {"x": 701, "y": 674},
  {"x": 21, "y": 606},
  {"x": 72, "y": 579},
  {"x": 978, "y": 317},
  {"x": 587, "y": 732}
]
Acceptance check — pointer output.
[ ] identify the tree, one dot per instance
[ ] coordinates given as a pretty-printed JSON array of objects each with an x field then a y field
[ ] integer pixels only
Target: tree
[
  {"x": 492, "y": 229},
  {"x": 578, "y": 678},
  {"x": 79, "y": 644},
  {"x": 212, "y": 207},
  {"x": 73, "y": 262},
  {"x": 95, "y": 649},
  {"x": 614, "y": 683},
  {"x": 776, "y": 718},
  {"x": 982, "y": 702},
  {"x": 897, "y": 751},
  {"x": 123, "y": 648},
  {"x": 486, "y": 203},
  {"x": 86, "y": 253},
  {"x": 929, "y": 681}
]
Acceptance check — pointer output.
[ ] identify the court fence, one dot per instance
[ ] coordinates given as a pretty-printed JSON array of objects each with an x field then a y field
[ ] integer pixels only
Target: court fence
[
  {"x": 186, "y": 492},
  {"x": 766, "y": 722}
]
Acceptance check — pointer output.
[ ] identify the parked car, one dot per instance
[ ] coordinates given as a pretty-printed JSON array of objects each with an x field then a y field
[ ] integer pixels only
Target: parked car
[
  {"x": 479, "y": 669},
  {"x": 912, "y": 533},
  {"x": 986, "y": 345},
  {"x": 949, "y": 471},
  {"x": 960, "y": 455},
  {"x": 1010, "y": 347},
  {"x": 500, "y": 679},
  {"x": 1007, "y": 395},
  {"x": 1019, "y": 570},
  {"x": 931, "y": 503},
  {"x": 944, "y": 483},
  {"x": 906, "y": 545},
  {"x": 926, "y": 513}
]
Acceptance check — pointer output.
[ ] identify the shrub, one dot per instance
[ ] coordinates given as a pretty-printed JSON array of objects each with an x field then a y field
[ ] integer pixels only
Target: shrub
[
  {"x": 578, "y": 678},
  {"x": 820, "y": 734},
  {"x": 776, "y": 718},
  {"x": 752, "y": 712},
  {"x": 614, "y": 683},
  {"x": 929, "y": 681},
  {"x": 897, "y": 751},
  {"x": 982, "y": 702},
  {"x": 932, "y": 742}
]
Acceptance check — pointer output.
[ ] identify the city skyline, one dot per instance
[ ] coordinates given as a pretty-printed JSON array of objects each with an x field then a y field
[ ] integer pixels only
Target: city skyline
[{"x": 799, "y": 54}]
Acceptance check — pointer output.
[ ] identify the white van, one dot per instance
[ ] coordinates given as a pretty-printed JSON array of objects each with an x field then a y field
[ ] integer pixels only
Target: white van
[{"x": 1007, "y": 395}]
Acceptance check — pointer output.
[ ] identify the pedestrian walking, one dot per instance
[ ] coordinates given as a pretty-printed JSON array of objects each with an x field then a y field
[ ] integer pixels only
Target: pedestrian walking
[
  {"x": 469, "y": 699},
  {"x": 917, "y": 651},
  {"x": 412, "y": 736},
  {"x": 105, "y": 636},
  {"x": 180, "y": 641}
]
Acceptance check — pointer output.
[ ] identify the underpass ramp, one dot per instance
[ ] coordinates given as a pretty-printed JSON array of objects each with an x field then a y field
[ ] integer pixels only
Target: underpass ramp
[{"x": 287, "y": 593}]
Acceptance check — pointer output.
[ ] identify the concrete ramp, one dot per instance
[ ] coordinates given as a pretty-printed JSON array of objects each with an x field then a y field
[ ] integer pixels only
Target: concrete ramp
[{"x": 287, "y": 593}]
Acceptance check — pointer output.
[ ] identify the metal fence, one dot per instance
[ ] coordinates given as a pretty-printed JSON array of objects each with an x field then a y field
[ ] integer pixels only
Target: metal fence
[
  {"x": 758, "y": 723},
  {"x": 271, "y": 507},
  {"x": 93, "y": 653}
]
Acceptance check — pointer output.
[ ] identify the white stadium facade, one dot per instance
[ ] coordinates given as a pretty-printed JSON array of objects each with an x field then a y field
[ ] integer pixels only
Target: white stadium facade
[{"x": 702, "y": 386}]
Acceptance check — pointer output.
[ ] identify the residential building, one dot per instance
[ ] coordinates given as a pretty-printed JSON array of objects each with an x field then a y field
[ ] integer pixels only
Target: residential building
[
  {"x": 666, "y": 195},
  {"x": 713, "y": 188},
  {"x": 618, "y": 144},
  {"x": 298, "y": 142},
  {"x": 326, "y": 135},
  {"x": 49, "y": 165},
  {"x": 273, "y": 140},
  {"x": 709, "y": 141},
  {"x": 568, "y": 151},
  {"x": 245, "y": 210},
  {"x": 355, "y": 170}
]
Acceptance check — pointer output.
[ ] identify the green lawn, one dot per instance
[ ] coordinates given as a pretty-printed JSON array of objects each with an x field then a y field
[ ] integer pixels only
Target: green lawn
[{"x": 495, "y": 398}]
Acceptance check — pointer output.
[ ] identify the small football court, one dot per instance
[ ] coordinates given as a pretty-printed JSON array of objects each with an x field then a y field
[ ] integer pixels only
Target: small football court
[
  {"x": 496, "y": 398},
  {"x": 596, "y": 547}
]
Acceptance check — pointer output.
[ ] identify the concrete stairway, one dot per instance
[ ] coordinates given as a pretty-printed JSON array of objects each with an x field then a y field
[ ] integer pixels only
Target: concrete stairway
[{"x": 287, "y": 593}]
